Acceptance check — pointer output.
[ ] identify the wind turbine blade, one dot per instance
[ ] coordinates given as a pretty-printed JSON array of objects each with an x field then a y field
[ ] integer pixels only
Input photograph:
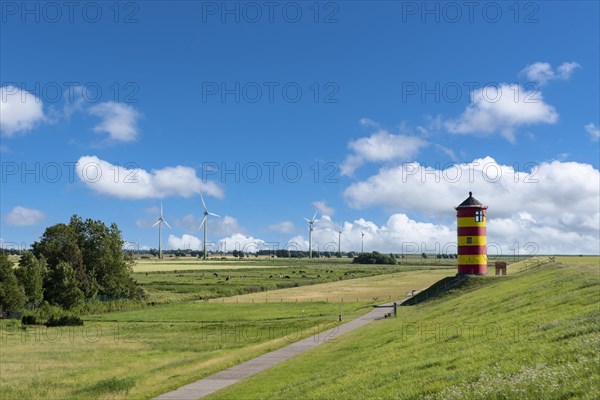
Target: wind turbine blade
[
  {"x": 314, "y": 216},
  {"x": 203, "y": 203},
  {"x": 167, "y": 224},
  {"x": 161, "y": 209},
  {"x": 214, "y": 215},
  {"x": 156, "y": 223},
  {"x": 202, "y": 223},
  {"x": 307, "y": 220}
]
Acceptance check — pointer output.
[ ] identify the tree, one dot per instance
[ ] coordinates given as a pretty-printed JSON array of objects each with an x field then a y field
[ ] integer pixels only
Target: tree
[
  {"x": 94, "y": 252},
  {"x": 31, "y": 273},
  {"x": 12, "y": 295},
  {"x": 373, "y": 258},
  {"x": 59, "y": 243},
  {"x": 61, "y": 286}
]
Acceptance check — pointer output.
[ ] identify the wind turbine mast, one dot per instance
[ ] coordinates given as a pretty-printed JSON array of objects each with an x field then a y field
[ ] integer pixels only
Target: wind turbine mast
[
  {"x": 204, "y": 222},
  {"x": 310, "y": 229},
  {"x": 362, "y": 242},
  {"x": 161, "y": 220},
  {"x": 340, "y": 240}
]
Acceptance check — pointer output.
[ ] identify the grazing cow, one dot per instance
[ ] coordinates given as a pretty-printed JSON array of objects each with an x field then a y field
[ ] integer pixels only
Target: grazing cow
[
  {"x": 270, "y": 276},
  {"x": 227, "y": 278},
  {"x": 215, "y": 275},
  {"x": 286, "y": 277}
]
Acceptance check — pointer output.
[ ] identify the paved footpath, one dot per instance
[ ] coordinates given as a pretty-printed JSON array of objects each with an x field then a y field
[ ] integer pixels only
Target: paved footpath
[{"x": 220, "y": 380}]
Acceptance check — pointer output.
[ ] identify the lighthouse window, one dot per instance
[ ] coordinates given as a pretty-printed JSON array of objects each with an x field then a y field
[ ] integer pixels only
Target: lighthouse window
[
  {"x": 469, "y": 240},
  {"x": 479, "y": 216}
]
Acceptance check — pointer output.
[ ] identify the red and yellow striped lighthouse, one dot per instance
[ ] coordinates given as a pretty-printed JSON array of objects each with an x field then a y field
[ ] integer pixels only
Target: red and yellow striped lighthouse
[{"x": 472, "y": 249}]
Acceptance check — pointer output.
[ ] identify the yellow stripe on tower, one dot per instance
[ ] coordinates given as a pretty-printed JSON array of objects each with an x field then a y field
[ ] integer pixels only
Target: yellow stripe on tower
[
  {"x": 475, "y": 241},
  {"x": 464, "y": 222},
  {"x": 472, "y": 259}
]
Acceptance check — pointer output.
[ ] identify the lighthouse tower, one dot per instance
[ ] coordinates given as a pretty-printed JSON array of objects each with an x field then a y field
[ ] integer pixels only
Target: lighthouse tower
[{"x": 472, "y": 251}]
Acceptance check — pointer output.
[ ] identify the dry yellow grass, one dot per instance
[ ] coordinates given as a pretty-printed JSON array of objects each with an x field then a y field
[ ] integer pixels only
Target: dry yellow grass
[
  {"x": 382, "y": 287},
  {"x": 513, "y": 268}
]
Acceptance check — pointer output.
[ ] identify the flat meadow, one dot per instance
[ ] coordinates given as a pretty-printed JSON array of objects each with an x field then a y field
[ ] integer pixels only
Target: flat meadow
[{"x": 191, "y": 327}]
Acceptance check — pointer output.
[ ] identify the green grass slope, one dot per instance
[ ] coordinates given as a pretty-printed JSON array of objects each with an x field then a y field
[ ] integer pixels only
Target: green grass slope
[{"x": 533, "y": 335}]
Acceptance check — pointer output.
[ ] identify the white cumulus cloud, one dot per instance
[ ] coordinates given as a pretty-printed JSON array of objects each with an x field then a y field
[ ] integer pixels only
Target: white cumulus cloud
[
  {"x": 502, "y": 109},
  {"x": 381, "y": 146},
  {"x": 323, "y": 208},
  {"x": 593, "y": 130},
  {"x": 551, "y": 196},
  {"x": 399, "y": 234},
  {"x": 119, "y": 120},
  {"x": 184, "y": 242},
  {"x": 542, "y": 72},
  {"x": 20, "y": 111},
  {"x": 136, "y": 183},
  {"x": 22, "y": 216},
  {"x": 239, "y": 241}
]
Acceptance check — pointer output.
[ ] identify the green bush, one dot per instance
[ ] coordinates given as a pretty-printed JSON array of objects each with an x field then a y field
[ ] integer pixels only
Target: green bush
[
  {"x": 65, "y": 320},
  {"x": 373, "y": 258},
  {"x": 45, "y": 311},
  {"x": 31, "y": 320}
]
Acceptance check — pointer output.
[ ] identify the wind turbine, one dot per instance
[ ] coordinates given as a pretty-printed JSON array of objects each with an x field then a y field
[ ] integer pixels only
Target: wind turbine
[
  {"x": 362, "y": 242},
  {"x": 340, "y": 240},
  {"x": 161, "y": 220},
  {"x": 310, "y": 229},
  {"x": 204, "y": 222}
]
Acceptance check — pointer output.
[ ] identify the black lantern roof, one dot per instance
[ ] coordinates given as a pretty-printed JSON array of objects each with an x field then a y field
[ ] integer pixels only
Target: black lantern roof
[{"x": 471, "y": 202}]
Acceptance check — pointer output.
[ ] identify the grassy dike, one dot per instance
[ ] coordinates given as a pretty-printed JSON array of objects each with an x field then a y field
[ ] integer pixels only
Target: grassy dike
[
  {"x": 148, "y": 351},
  {"x": 532, "y": 335}
]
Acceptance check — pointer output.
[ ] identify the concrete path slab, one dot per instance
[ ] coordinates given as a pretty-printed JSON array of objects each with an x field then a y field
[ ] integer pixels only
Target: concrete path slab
[{"x": 220, "y": 380}]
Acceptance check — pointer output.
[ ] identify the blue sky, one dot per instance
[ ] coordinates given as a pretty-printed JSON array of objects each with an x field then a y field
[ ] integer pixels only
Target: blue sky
[{"x": 170, "y": 90}]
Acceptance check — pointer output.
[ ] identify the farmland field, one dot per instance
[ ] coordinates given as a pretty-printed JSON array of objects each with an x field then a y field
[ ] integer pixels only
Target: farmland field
[
  {"x": 206, "y": 282},
  {"x": 147, "y": 351},
  {"x": 372, "y": 288}
]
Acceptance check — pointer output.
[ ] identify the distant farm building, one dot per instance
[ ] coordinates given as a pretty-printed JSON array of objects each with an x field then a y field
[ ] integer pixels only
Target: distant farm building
[{"x": 500, "y": 267}]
